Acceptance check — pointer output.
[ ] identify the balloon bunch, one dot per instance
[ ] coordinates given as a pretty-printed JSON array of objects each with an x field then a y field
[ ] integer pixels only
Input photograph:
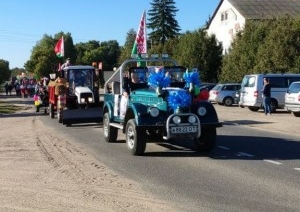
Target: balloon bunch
[
  {"x": 192, "y": 81},
  {"x": 159, "y": 78},
  {"x": 179, "y": 98}
]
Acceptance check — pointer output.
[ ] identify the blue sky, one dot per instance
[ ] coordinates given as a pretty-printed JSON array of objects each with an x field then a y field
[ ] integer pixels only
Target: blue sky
[{"x": 24, "y": 23}]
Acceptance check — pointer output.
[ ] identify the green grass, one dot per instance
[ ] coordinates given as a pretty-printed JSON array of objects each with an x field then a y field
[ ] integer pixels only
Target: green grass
[{"x": 6, "y": 108}]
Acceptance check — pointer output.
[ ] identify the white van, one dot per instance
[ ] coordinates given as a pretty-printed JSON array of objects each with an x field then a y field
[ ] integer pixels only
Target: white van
[{"x": 252, "y": 85}]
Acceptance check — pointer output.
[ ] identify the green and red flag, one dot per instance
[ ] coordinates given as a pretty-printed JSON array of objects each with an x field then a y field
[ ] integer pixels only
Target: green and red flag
[
  {"x": 59, "y": 48},
  {"x": 140, "y": 43}
]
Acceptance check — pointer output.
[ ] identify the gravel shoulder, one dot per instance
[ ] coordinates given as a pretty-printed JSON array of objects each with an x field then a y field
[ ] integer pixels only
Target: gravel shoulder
[{"x": 44, "y": 171}]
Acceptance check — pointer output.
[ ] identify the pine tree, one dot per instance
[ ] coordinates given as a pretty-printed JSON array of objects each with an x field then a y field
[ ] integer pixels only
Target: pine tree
[{"x": 162, "y": 21}]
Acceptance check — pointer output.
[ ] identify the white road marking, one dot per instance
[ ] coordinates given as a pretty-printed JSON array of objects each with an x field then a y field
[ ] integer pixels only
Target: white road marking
[
  {"x": 272, "y": 161},
  {"x": 244, "y": 154},
  {"x": 298, "y": 169},
  {"x": 224, "y": 147}
]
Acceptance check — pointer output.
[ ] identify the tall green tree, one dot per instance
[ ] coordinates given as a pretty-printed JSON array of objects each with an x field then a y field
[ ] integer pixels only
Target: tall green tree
[
  {"x": 162, "y": 21},
  {"x": 265, "y": 46},
  {"x": 198, "y": 50},
  {"x": 4, "y": 71},
  {"x": 127, "y": 48},
  {"x": 43, "y": 60}
]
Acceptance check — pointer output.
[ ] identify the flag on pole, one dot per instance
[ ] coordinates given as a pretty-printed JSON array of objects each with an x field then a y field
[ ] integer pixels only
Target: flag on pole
[
  {"x": 59, "y": 48},
  {"x": 140, "y": 43}
]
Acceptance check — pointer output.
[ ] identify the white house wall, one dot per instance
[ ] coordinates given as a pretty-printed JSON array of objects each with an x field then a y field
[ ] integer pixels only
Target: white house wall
[{"x": 226, "y": 29}]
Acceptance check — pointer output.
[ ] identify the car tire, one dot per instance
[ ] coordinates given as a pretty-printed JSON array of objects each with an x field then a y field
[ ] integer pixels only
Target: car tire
[
  {"x": 274, "y": 105},
  {"x": 110, "y": 132},
  {"x": 253, "y": 109},
  {"x": 136, "y": 144},
  {"x": 228, "y": 101},
  {"x": 296, "y": 114},
  {"x": 207, "y": 140}
]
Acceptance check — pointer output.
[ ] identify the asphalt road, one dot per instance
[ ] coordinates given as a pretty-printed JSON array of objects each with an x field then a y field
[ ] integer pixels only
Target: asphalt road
[{"x": 254, "y": 167}]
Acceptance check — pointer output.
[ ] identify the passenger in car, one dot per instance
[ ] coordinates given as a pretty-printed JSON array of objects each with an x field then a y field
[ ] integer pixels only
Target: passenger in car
[{"x": 127, "y": 82}]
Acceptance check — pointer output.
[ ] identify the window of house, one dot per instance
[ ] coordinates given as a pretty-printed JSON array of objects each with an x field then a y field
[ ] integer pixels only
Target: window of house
[{"x": 224, "y": 16}]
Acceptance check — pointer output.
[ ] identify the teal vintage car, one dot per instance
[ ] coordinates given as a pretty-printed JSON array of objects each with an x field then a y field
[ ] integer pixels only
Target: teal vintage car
[{"x": 149, "y": 101}]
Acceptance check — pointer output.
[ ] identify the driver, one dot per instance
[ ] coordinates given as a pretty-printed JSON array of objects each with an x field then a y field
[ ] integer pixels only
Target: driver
[{"x": 79, "y": 79}]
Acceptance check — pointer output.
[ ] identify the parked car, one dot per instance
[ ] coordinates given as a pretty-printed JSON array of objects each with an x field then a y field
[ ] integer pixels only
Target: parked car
[
  {"x": 252, "y": 85},
  {"x": 224, "y": 94},
  {"x": 292, "y": 99}
]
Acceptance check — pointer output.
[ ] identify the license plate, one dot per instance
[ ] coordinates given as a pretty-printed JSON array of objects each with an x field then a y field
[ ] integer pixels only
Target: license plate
[{"x": 184, "y": 129}]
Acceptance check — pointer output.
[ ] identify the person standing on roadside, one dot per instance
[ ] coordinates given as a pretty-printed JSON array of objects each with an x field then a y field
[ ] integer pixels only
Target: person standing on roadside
[{"x": 266, "y": 92}]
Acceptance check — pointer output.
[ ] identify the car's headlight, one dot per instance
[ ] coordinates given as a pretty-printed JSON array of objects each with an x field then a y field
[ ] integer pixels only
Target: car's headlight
[
  {"x": 201, "y": 111},
  {"x": 90, "y": 99},
  {"x": 192, "y": 119},
  {"x": 154, "y": 111},
  {"x": 82, "y": 100},
  {"x": 176, "y": 119}
]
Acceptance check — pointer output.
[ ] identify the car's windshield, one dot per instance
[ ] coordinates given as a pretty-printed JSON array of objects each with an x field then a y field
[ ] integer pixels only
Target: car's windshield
[
  {"x": 80, "y": 77},
  {"x": 175, "y": 73}
]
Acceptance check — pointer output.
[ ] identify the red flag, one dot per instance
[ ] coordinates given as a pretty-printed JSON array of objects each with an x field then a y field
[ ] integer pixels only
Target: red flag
[
  {"x": 140, "y": 44},
  {"x": 59, "y": 47}
]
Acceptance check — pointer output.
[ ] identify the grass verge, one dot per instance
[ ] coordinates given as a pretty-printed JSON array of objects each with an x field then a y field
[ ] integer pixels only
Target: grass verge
[{"x": 6, "y": 108}]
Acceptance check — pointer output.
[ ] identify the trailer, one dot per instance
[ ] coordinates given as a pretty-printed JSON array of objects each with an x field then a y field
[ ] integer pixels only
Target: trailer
[{"x": 74, "y": 96}]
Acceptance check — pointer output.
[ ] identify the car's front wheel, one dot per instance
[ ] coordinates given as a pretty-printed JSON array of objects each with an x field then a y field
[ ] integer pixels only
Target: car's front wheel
[
  {"x": 110, "y": 132},
  {"x": 207, "y": 140},
  {"x": 135, "y": 143}
]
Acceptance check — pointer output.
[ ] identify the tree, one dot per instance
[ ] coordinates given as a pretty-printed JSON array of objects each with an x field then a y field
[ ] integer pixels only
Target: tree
[
  {"x": 197, "y": 50},
  {"x": 4, "y": 71},
  {"x": 43, "y": 60},
  {"x": 162, "y": 21},
  {"x": 127, "y": 48}
]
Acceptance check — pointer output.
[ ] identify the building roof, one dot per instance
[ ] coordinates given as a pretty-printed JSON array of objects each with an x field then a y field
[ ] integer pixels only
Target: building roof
[{"x": 264, "y": 9}]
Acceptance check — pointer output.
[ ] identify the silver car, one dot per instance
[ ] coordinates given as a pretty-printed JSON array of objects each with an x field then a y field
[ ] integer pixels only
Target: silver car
[
  {"x": 292, "y": 99},
  {"x": 224, "y": 94}
]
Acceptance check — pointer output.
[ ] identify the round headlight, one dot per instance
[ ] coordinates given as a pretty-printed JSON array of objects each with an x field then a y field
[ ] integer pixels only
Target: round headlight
[
  {"x": 90, "y": 99},
  {"x": 82, "y": 100},
  {"x": 201, "y": 111},
  {"x": 176, "y": 119},
  {"x": 192, "y": 119},
  {"x": 154, "y": 112}
]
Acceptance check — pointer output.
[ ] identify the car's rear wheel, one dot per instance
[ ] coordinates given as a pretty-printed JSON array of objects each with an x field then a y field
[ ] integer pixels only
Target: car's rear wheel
[
  {"x": 110, "y": 132},
  {"x": 254, "y": 109},
  {"x": 134, "y": 140},
  {"x": 274, "y": 105},
  {"x": 228, "y": 101},
  {"x": 296, "y": 114},
  {"x": 207, "y": 140}
]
